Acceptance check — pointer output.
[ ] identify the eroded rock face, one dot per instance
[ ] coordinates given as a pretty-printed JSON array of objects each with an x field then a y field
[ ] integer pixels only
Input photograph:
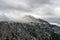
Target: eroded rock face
[{"x": 36, "y": 30}]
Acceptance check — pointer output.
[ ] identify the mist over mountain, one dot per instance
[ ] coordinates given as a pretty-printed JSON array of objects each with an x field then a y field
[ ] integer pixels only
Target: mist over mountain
[
  {"x": 29, "y": 19},
  {"x": 46, "y": 9},
  {"x": 29, "y": 28}
]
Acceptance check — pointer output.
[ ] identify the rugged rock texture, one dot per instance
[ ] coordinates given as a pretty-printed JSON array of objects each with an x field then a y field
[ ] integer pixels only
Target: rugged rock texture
[{"x": 33, "y": 29}]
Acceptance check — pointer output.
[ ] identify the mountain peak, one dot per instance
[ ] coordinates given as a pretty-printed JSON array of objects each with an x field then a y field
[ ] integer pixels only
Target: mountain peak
[
  {"x": 28, "y": 16},
  {"x": 29, "y": 19}
]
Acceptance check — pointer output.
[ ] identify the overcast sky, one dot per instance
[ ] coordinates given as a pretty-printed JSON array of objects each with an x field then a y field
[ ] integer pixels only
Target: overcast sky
[{"x": 46, "y": 9}]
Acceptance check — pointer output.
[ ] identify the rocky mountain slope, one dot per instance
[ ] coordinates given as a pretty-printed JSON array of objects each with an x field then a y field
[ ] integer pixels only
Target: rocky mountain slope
[{"x": 29, "y": 28}]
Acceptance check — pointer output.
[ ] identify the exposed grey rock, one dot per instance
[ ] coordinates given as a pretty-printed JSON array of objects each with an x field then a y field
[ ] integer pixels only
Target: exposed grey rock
[{"x": 36, "y": 29}]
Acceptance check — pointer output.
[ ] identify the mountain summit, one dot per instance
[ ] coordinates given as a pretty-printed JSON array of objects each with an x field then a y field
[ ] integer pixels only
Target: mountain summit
[
  {"x": 29, "y": 28},
  {"x": 29, "y": 19}
]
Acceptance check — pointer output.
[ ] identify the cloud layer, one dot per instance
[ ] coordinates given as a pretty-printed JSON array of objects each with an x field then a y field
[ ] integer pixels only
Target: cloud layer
[{"x": 46, "y": 9}]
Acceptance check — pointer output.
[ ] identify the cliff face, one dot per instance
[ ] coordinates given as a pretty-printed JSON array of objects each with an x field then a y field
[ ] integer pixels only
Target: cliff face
[{"x": 33, "y": 29}]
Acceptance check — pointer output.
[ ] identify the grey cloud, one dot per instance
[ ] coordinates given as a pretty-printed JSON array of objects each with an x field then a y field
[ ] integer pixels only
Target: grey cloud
[
  {"x": 54, "y": 20},
  {"x": 5, "y": 6},
  {"x": 14, "y": 8},
  {"x": 37, "y": 3},
  {"x": 49, "y": 12},
  {"x": 32, "y": 5}
]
